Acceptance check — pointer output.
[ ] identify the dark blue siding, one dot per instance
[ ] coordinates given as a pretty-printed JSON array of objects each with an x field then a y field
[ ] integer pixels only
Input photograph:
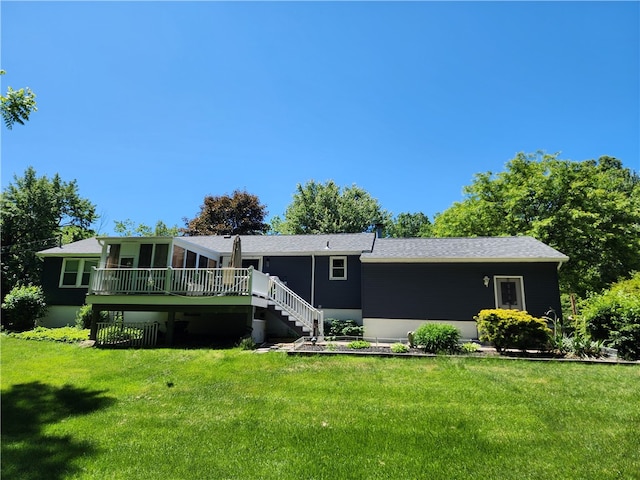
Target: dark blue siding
[
  {"x": 450, "y": 291},
  {"x": 338, "y": 293},
  {"x": 53, "y": 293},
  {"x": 295, "y": 271}
]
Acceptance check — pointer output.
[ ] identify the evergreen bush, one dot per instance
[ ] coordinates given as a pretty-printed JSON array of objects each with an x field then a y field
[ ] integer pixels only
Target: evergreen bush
[{"x": 512, "y": 329}]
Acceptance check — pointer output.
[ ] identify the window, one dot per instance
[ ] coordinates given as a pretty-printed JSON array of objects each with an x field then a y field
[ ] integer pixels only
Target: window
[
  {"x": 337, "y": 268},
  {"x": 76, "y": 272}
]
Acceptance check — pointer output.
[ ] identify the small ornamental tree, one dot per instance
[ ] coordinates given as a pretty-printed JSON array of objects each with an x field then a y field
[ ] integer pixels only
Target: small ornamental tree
[
  {"x": 22, "y": 307},
  {"x": 512, "y": 329}
]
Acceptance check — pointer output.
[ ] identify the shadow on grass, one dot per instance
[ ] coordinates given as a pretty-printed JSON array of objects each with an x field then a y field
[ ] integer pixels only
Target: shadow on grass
[{"x": 27, "y": 452}]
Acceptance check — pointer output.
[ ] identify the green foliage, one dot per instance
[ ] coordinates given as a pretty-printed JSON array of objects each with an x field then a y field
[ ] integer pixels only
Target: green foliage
[
  {"x": 119, "y": 333},
  {"x": 437, "y": 337},
  {"x": 17, "y": 105},
  {"x": 399, "y": 348},
  {"x": 247, "y": 343},
  {"x": 512, "y": 329},
  {"x": 334, "y": 327},
  {"x": 469, "y": 347},
  {"x": 238, "y": 214},
  {"x": 22, "y": 307},
  {"x": 614, "y": 316},
  {"x": 358, "y": 344},
  {"x": 328, "y": 208},
  {"x": 408, "y": 225},
  {"x": 588, "y": 210},
  {"x": 37, "y": 213},
  {"x": 128, "y": 228},
  {"x": 579, "y": 345},
  {"x": 83, "y": 316},
  {"x": 62, "y": 334}
]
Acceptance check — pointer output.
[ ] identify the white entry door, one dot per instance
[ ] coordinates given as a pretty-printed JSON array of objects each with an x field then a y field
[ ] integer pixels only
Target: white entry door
[{"x": 509, "y": 293}]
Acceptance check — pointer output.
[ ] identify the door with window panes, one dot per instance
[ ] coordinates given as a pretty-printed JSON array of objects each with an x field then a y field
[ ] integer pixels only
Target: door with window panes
[{"x": 509, "y": 293}]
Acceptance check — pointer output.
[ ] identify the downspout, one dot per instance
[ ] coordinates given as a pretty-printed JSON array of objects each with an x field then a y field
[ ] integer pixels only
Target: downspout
[{"x": 313, "y": 279}]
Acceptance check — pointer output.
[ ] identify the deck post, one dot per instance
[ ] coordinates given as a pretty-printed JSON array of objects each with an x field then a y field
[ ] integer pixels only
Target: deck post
[
  {"x": 95, "y": 316},
  {"x": 171, "y": 323}
]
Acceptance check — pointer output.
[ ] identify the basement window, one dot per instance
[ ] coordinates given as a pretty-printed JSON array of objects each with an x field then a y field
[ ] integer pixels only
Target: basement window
[{"x": 337, "y": 268}]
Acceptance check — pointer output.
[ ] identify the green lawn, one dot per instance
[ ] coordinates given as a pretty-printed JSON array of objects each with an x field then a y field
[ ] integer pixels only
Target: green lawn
[{"x": 69, "y": 412}]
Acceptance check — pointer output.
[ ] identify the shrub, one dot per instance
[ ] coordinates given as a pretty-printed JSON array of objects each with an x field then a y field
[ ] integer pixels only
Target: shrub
[
  {"x": 437, "y": 337},
  {"x": 119, "y": 333},
  {"x": 22, "y": 307},
  {"x": 469, "y": 347},
  {"x": 62, "y": 334},
  {"x": 83, "y": 317},
  {"x": 580, "y": 345},
  {"x": 399, "y": 348},
  {"x": 512, "y": 329},
  {"x": 614, "y": 316},
  {"x": 247, "y": 343},
  {"x": 334, "y": 327},
  {"x": 358, "y": 344}
]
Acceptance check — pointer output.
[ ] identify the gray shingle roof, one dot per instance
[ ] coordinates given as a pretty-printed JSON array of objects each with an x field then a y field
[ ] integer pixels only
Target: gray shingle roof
[
  {"x": 288, "y": 244},
  {"x": 462, "y": 249},
  {"x": 81, "y": 248}
]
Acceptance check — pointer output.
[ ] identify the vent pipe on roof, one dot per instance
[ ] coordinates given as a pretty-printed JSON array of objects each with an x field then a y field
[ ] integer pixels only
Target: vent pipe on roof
[{"x": 378, "y": 230}]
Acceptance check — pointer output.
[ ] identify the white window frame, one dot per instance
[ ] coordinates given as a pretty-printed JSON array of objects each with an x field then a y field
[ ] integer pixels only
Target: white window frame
[
  {"x": 79, "y": 273},
  {"x": 331, "y": 267},
  {"x": 496, "y": 284}
]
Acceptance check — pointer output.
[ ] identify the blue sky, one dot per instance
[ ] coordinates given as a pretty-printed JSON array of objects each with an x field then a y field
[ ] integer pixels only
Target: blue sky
[{"x": 150, "y": 106}]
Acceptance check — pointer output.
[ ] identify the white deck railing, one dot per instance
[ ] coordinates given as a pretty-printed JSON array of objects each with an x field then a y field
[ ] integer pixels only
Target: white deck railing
[
  {"x": 296, "y": 306},
  {"x": 205, "y": 282}
]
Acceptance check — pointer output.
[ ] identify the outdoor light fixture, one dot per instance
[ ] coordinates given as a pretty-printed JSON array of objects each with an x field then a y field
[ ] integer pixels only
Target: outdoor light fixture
[{"x": 485, "y": 280}]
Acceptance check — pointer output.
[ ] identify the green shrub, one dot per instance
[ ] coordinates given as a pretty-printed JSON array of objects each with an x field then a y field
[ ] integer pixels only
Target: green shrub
[
  {"x": 399, "y": 348},
  {"x": 62, "y": 334},
  {"x": 119, "y": 333},
  {"x": 332, "y": 347},
  {"x": 437, "y": 337},
  {"x": 83, "y": 317},
  {"x": 334, "y": 327},
  {"x": 614, "y": 316},
  {"x": 512, "y": 329},
  {"x": 580, "y": 345},
  {"x": 22, "y": 307},
  {"x": 469, "y": 347},
  {"x": 247, "y": 343},
  {"x": 358, "y": 344},
  {"x": 627, "y": 342}
]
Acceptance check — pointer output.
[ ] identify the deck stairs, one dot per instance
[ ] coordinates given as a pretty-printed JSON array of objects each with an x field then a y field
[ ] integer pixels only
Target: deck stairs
[{"x": 294, "y": 310}]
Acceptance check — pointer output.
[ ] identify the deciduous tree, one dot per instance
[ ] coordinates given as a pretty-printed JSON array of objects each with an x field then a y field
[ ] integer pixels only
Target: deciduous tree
[
  {"x": 408, "y": 225},
  {"x": 238, "y": 214},
  {"x": 129, "y": 228},
  {"x": 37, "y": 213},
  {"x": 17, "y": 105},
  {"x": 327, "y": 208},
  {"x": 589, "y": 210}
]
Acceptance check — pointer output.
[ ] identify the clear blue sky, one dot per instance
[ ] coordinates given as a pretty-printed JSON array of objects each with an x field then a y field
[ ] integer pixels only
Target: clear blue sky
[{"x": 153, "y": 105}]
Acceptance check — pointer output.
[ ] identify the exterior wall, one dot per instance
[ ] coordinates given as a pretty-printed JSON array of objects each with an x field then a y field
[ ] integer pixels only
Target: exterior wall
[
  {"x": 450, "y": 292},
  {"x": 294, "y": 271},
  {"x": 397, "y": 328},
  {"x": 59, "y": 316},
  {"x": 338, "y": 294},
  {"x": 343, "y": 314},
  {"x": 50, "y": 284}
]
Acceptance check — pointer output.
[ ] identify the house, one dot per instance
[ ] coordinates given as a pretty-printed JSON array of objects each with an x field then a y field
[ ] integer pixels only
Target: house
[{"x": 288, "y": 284}]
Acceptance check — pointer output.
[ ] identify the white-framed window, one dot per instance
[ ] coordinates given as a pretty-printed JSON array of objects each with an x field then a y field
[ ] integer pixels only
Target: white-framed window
[
  {"x": 337, "y": 268},
  {"x": 76, "y": 272},
  {"x": 509, "y": 292}
]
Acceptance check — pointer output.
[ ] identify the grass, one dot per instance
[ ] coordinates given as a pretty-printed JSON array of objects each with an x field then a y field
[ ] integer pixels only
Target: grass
[{"x": 69, "y": 412}]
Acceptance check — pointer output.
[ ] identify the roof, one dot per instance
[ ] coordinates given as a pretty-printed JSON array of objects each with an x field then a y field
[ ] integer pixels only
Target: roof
[
  {"x": 337, "y": 243},
  {"x": 82, "y": 248},
  {"x": 477, "y": 249}
]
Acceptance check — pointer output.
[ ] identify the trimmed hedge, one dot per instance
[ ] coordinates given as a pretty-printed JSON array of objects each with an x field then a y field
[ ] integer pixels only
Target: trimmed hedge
[{"x": 512, "y": 329}]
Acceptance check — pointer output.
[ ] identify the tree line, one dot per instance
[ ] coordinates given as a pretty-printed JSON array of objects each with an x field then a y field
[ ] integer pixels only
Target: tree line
[{"x": 589, "y": 210}]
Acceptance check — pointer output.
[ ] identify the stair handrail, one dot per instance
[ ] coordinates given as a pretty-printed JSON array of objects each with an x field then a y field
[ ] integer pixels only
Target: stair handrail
[{"x": 296, "y": 306}]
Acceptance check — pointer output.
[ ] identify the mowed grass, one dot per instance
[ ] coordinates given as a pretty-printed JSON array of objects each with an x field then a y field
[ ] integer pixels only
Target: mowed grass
[{"x": 69, "y": 412}]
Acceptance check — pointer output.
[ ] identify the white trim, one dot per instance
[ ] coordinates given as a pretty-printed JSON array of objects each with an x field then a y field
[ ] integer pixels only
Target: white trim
[
  {"x": 365, "y": 259},
  {"x": 397, "y": 328},
  {"x": 515, "y": 277},
  {"x": 79, "y": 274},
  {"x": 331, "y": 267}
]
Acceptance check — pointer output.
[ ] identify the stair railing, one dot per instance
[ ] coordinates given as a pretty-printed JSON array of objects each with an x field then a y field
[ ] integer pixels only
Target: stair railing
[{"x": 296, "y": 306}]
